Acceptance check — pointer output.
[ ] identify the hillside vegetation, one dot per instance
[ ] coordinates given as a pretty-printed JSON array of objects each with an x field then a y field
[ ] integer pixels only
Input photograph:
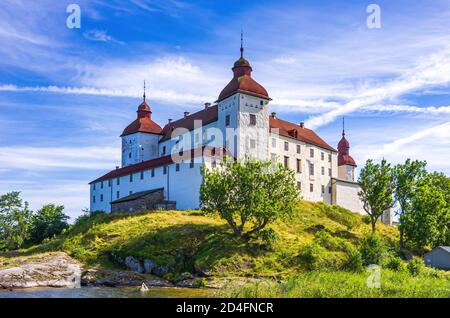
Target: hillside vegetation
[{"x": 190, "y": 241}]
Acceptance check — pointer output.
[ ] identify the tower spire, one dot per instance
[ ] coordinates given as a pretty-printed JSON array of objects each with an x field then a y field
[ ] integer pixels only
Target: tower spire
[
  {"x": 144, "y": 91},
  {"x": 242, "y": 43},
  {"x": 343, "y": 126}
]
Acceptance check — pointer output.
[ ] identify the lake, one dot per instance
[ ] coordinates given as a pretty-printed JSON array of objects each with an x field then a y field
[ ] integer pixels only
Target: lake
[{"x": 106, "y": 292}]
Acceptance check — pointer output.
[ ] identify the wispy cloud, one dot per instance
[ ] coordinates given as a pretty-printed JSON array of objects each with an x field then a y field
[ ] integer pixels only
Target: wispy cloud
[{"x": 100, "y": 36}]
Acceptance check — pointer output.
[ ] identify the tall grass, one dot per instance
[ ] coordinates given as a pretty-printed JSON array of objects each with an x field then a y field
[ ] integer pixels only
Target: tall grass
[{"x": 346, "y": 285}]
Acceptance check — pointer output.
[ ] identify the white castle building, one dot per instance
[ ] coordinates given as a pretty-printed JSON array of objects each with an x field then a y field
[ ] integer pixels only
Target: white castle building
[{"x": 161, "y": 166}]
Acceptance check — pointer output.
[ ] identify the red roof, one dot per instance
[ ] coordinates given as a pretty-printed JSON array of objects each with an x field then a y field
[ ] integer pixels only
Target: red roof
[
  {"x": 344, "y": 157},
  {"x": 294, "y": 131},
  {"x": 207, "y": 116},
  {"x": 161, "y": 161},
  {"x": 143, "y": 123},
  {"x": 242, "y": 82}
]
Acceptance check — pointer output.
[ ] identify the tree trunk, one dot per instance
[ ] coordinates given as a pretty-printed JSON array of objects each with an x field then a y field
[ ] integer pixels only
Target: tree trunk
[
  {"x": 400, "y": 228},
  {"x": 374, "y": 222}
]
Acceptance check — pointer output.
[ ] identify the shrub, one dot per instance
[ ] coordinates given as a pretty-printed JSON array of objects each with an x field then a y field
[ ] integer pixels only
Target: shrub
[
  {"x": 372, "y": 249},
  {"x": 416, "y": 266},
  {"x": 395, "y": 263},
  {"x": 366, "y": 219},
  {"x": 316, "y": 257},
  {"x": 354, "y": 262},
  {"x": 268, "y": 236},
  {"x": 340, "y": 215}
]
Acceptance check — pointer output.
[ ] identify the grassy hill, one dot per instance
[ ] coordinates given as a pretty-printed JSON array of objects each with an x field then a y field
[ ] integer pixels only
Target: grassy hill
[{"x": 191, "y": 241}]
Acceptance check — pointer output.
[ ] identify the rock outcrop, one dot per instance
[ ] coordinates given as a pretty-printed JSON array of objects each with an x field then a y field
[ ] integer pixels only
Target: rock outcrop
[{"x": 42, "y": 270}]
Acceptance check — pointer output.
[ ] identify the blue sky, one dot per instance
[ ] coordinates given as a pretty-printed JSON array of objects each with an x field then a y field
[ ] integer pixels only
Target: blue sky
[{"x": 66, "y": 94}]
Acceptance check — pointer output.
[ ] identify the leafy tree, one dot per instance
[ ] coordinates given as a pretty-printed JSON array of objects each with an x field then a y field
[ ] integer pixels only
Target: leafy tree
[
  {"x": 406, "y": 177},
  {"x": 48, "y": 222},
  {"x": 250, "y": 192},
  {"x": 377, "y": 187},
  {"x": 428, "y": 221},
  {"x": 15, "y": 219},
  {"x": 372, "y": 249}
]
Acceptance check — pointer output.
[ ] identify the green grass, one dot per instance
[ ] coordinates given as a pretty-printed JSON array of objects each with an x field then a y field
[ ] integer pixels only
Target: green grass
[
  {"x": 346, "y": 285},
  {"x": 191, "y": 241}
]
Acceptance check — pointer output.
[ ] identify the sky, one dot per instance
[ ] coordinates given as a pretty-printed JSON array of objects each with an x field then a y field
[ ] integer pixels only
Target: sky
[{"x": 66, "y": 94}]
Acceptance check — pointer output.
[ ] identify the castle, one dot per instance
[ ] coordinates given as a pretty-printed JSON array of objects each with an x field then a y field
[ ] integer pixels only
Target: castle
[{"x": 161, "y": 166}]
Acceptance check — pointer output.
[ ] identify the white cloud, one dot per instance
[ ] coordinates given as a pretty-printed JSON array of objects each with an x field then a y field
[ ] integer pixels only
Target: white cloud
[
  {"x": 100, "y": 36},
  {"x": 50, "y": 158}
]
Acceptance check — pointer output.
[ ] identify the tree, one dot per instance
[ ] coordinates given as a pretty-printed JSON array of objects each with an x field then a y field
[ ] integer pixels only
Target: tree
[
  {"x": 406, "y": 177},
  {"x": 250, "y": 192},
  {"x": 428, "y": 221},
  {"x": 377, "y": 189},
  {"x": 48, "y": 222},
  {"x": 15, "y": 219}
]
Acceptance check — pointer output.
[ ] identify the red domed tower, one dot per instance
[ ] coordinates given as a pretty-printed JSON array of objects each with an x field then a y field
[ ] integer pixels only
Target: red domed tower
[
  {"x": 140, "y": 138},
  {"x": 346, "y": 164}
]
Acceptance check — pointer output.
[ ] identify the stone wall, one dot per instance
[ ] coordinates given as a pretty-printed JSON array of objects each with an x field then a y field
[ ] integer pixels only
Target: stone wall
[{"x": 145, "y": 202}]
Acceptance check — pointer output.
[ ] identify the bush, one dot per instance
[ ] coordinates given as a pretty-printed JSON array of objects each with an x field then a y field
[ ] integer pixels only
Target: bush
[
  {"x": 416, "y": 266},
  {"x": 395, "y": 263},
  {"x": 366, "y": 219},
  {"x": 268, "y": 236},
  {"x": 340, "y": 215},
  {"x": 372, "y": 249},
  {"x": 354, "y": 262},
  {"x": 316, "y": 257}
]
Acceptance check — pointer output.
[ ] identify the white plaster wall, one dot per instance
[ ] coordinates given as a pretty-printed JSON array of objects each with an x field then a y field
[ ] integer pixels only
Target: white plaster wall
[
  {"x": 346, "y": 172},
  {"x": 304, "y": 177},
  {"x": 229, "y": 106},
  {"x": 347, "y": 196},
  {"x": 142, "y": 147}
]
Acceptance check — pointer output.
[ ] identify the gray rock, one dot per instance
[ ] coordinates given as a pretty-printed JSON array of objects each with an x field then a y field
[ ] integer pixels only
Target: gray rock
[
  {"x": 119, "y": 278},
  {"x": 133, "y": 264},
  {"x": 149, "y": 266},
  {"x": 186, "y": 275},
  {"x": 161, "y": 270},
  {"x": 42, "y": 270}
]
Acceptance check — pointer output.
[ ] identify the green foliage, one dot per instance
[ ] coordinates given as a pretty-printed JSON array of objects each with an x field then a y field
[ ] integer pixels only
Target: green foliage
[
  {"x": 406, "y": 177},
  {"x": 377, "y": 187},
  {"x": 15, "y": 220},
  {"x": 372, "y": 249},
  {"x": 394, "y": 263},
  {"x": 428, "y": 221},
  {"x": 48, "y": 222},
  {"x": 345, "y": 285},
  {"x": 250, "y": 192},
  {"x": 416, "y": 266},
  {"x": 340, "y": 215}
]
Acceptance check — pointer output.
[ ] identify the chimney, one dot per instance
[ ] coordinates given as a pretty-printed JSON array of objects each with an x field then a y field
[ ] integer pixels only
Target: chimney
[
  {"x": 274, "y": 115},
  {"x": 186, "y": 114},
  {"x": 207, "y": 105},
  {"x": 170, "y": 120},
  {"x": 117, "y": 167},
  {"x": 302, "y": 125}
]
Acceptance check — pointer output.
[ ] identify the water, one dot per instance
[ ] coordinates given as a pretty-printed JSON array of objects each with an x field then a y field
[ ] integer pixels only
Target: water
[{"x": 106, "y": 292}]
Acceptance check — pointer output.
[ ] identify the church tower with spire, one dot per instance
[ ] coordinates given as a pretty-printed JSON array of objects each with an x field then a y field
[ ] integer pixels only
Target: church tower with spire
[
  {"x": 243, "y": 110},
  {"x": 346, "y": 164},
  {"x": 140, "y": 138}
]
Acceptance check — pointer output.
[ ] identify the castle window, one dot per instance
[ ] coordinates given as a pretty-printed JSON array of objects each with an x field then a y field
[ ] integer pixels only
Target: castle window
[
  {"x": 329, "y": 172},
  {"x": 118, "y": 181},
  {"x": 177, "y": 167},
  {"x": 191, "y": 164},
  {"x": 286, "y": 146},
  {"x": 214, "y": 163},
  {"x": 311, "y": 153},
  {"x": 94, "y": 186},
  {"x": 93, "y": 199},
  {"x": 323, "y": 189},
  {"x": 109, "y": 183},
  {"x": 131, "y": 177},
  {"x": 329, "y": 190},
  {"x": 322, "y": 156},
  {"x": 153, "y": 172},
  {"x": 252, "y": 143},
  {"x": 164, "y": 150},
  {"x": 311, "y": 187},
  {"x": 101, "y": 185},
  {"x": 329, "y": 158},
  {"x": 286, "y": 161},
  {"x": 298, "y": 149},
  {"x": 101, "y": 197},
  {"x": 299, "y": 166},
  {"x": 299, "y": 185},
  {"x": 252, "y": 119},
  {"x": 227, "y": 120},
  {"x": 274, "y": 142},
  {"x": 165, "y": 170},
  {"x": 261, "y": 102},
  {"x": 129, "y": 155},
  {"x": 323, "y": 171},
  {"x": 117, "y": 194},
  {"x": 142, "y": 175},
  {"x": 311, "y": 169}
]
